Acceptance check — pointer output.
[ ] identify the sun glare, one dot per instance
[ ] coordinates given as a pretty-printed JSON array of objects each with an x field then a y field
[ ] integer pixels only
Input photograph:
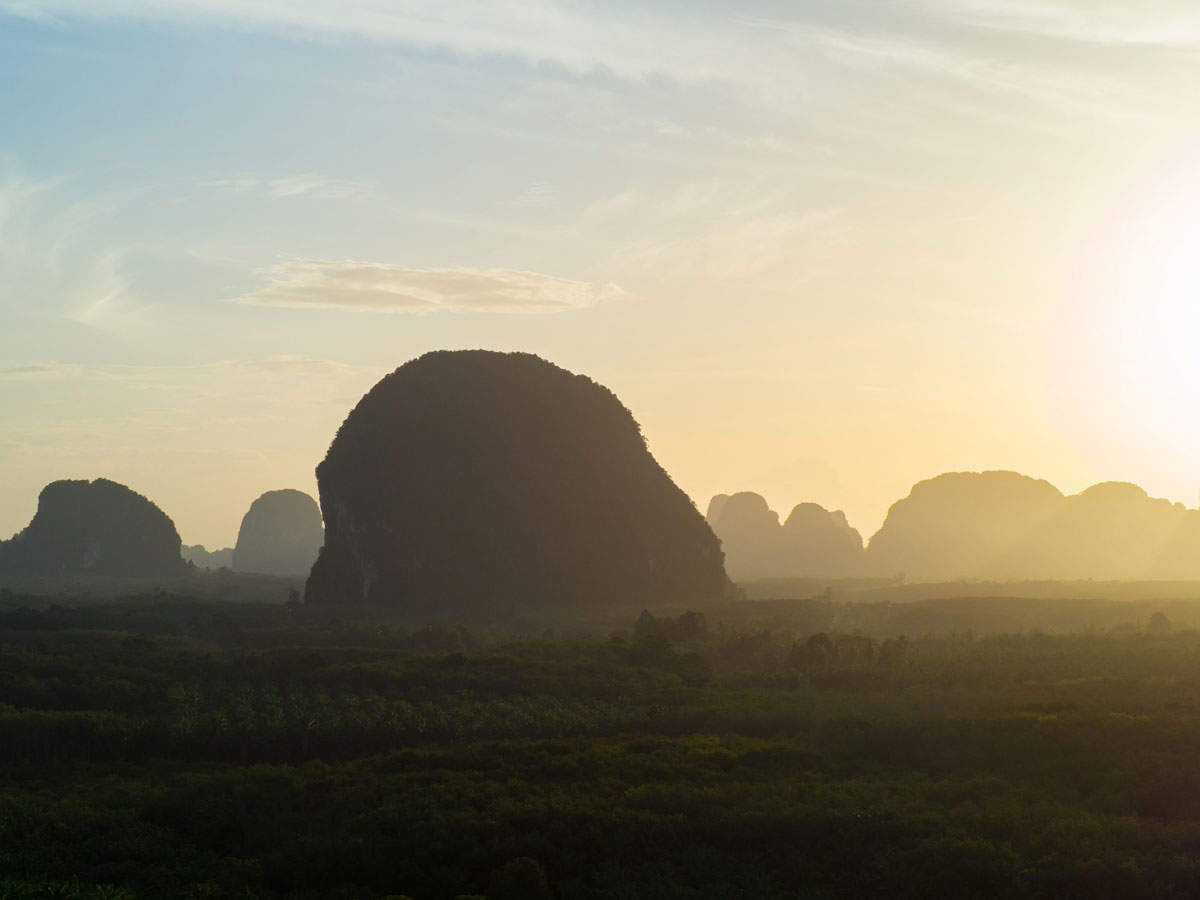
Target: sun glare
[
  {"x": 1128, "y": 348},
  {"x": 1161, "y": 292}
]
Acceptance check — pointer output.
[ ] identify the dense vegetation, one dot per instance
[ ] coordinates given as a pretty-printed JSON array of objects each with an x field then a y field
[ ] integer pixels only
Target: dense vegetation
[{"x": 160, "y": 748}]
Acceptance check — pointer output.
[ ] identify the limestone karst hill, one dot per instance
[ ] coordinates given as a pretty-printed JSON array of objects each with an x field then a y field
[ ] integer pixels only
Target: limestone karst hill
[
  {"x": 494, "y": 483},
  {"x": 1111, "y": 531},
  {"x": 812, "y": 541},
  {"x": 1002, "y": 525},
  {"x": 980, "y": 525},
  {"x": 94, "y": 528},
  {"x": 203, "y": 558},
  {"x": 825, "y": 538},
  {"x": 281, "y": 534},
  {"x": 961, "y": 524}
]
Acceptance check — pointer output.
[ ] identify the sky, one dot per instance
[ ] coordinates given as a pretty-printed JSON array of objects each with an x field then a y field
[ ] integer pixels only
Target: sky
[{"x": 820, "y": 250}]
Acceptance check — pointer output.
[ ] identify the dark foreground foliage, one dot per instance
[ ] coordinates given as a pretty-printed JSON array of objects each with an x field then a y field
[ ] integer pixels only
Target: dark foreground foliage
[{"x": 171, "y": 749}]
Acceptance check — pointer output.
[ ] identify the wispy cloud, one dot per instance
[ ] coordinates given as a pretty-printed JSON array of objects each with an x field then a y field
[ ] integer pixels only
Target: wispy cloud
[
  {"x": 309, "y": 185},
  {"x": 300, "y": 365},
  {"x": 49, "y": 261},
  {"x": 292, "y": 366},
  {"x": 858, "y": 74},
  {"x": 580, "y": 39},
  {"x": 768, "y": 250},
  {"x": 1151, "y": 23},
  {"x": 539, "y": 193},
  {"x": 720, "y": 232},
  {"x": 40, "y": 372},
  {"x": 378, "y": 287},
  {"x": 923, "y": 61},
  {"x": 754, "y": 45}
]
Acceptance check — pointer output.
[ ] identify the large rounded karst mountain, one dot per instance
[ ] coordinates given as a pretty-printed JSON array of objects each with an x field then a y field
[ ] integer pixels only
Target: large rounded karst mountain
[
  {"x": 280, "y": 534},
  {"x": 495, "y": 483},
  {"x": 960, "y": 524},
  {"x": 94, "y": 528}
]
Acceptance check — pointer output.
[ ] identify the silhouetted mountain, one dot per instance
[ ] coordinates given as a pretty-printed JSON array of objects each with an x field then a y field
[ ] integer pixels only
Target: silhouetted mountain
[
  {"x": 203, "y": 559},
  {"x": 749, "y": 532},
  {"x": 1180, "y": 557},
  {"x": 1004, "y": 525},
  {"x": 281, "y": 534},
  {"x": 94, "y": 528},
  {"x": 823, "y": 541},
  {"x": 485, "y": 482},
  {"x": 961, "y": 524},
  {"x": 812, "y": 542},
  {"x": 1113, "y": 531}
]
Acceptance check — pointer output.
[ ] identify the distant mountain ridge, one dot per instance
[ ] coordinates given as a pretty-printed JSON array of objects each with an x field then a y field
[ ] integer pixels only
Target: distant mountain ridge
[
  {"x": 811, "y": 542},
  {"x": 202, "y": 558},
  {"x": 985, "y": 525}
]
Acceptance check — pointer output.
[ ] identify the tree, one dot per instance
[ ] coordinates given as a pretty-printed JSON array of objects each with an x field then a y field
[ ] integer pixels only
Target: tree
[{"x": 522, "y": 878}]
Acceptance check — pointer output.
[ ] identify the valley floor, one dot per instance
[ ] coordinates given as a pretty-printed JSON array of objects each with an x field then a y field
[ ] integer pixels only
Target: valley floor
[{"x": 158, "y": 747}]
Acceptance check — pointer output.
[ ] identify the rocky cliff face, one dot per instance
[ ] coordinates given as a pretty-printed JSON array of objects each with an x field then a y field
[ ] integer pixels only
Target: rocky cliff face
[
  {"x": 94, "y": 528},
  {"x": 480, "y": 482},
  {"x": 281, "y": 534}
]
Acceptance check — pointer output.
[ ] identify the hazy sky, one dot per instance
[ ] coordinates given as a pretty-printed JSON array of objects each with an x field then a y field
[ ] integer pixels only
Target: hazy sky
[{"x": 821, "y": 250}]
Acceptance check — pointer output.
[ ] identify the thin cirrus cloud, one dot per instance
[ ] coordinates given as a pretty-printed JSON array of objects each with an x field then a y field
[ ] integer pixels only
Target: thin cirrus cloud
[
  {"x": 267, "y": 365},
  {"x": 1153, "y": 23},
  {"x": 308, "y": 185},
  {"x": 47, "y": 260},
  {"x": 626, "y": 38},
  {"x": 580, "y": 38},
  {"x": 39, "y": 371},
  {"x": 780, "y": 54},
  {"x": 378, "y": 287}
]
